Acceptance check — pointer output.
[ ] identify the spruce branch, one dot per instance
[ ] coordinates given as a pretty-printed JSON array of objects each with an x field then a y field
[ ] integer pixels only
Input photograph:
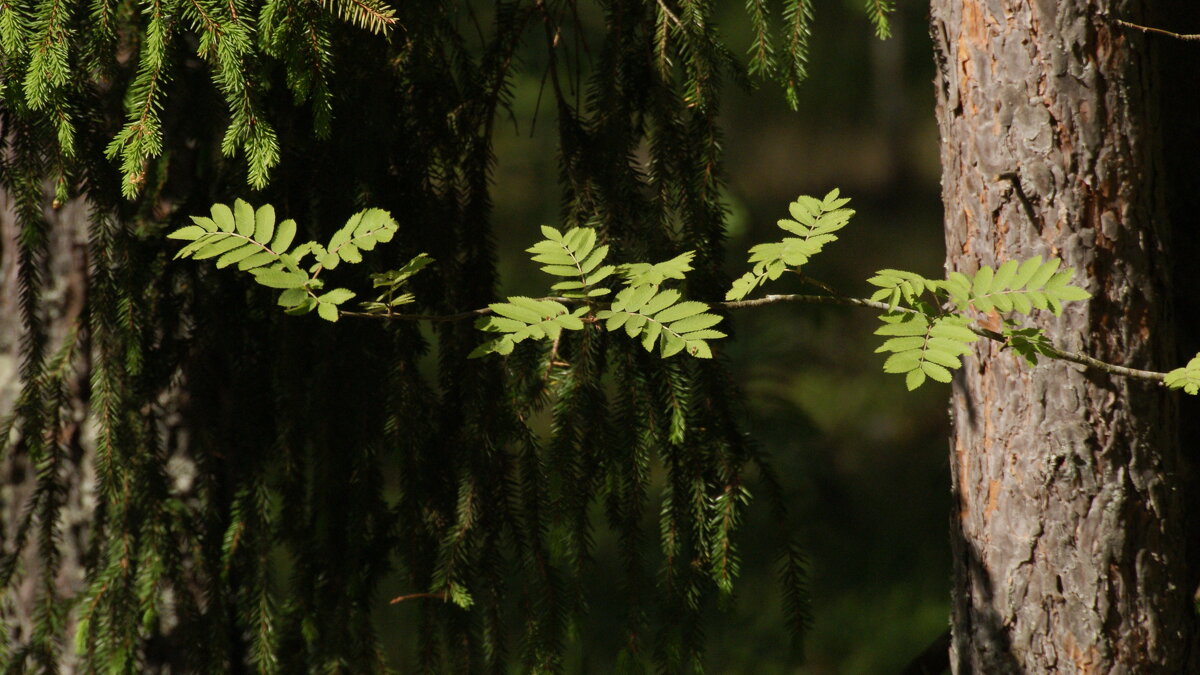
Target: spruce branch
[
  {"x": 441, "y": 595},
  {"x": 669, "y": 14},
  {"x": 371, "y": 15}
]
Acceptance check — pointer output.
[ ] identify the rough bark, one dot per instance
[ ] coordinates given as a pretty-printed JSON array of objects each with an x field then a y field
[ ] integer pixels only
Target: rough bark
[
  {"x": 67, "y": 274},
  {"x": 1069, "y": 536}
]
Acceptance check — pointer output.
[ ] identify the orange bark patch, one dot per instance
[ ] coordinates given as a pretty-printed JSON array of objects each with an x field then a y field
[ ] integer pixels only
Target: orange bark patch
[
  {"x": 964, "y": 475},
  {"x": 1084, "y": 659},
  {"x": 972, "y": 38},
  {"x": 993, "y": 321},
  {"x": 973, "y": 25},
  {"x": 992, "y": 499}
]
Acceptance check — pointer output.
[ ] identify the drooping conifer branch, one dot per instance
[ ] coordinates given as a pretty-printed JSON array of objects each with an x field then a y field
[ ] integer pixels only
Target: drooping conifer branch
[{"x": 246, "y": 518}]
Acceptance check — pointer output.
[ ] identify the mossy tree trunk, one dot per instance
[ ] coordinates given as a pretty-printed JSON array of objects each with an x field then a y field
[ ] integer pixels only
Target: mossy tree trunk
[{"x": 1069, "y": 530}]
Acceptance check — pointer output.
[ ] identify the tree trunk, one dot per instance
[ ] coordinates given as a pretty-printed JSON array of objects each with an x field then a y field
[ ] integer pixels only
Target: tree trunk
[
  {"x": 1068, "y": 536},
  {"x": 63, "y": 300}
]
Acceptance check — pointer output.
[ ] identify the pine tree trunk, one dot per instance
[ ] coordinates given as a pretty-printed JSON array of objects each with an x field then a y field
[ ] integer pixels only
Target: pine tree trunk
[{"x": 1069, "y": 536}]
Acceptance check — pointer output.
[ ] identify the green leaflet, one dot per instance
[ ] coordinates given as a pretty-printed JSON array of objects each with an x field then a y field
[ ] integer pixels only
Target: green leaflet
[
  {"x": 576, "y": 255},
  {"x": 1186, "y": 378},
  {"x": 522, "y": 318},
  {"x": 922, "y": 346},
  {"x": 1015, "y": 287},
  {"x": 252, "y": 240},
  {"x": 638, "y": 274},
  {"x": 361, "y": 232},
  {"x": 897, "y": 285},
  {"x": 814, "y": 221},
  {"x": 658, "y": 318}
]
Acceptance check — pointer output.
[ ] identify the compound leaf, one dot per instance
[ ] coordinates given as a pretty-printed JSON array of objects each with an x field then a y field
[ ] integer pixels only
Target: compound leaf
[
  {"x": 1020, "y": 288},
  {"x": 920, "y": 346},
  {"x": 814, "y": 221},
  {"x": 657, "y": 317}
]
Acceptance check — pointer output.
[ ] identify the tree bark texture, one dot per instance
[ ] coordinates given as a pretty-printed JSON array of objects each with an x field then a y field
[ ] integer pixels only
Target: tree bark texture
[
  {"x": 66, "y": 270},
  {"x": 1069, "y": 535}
]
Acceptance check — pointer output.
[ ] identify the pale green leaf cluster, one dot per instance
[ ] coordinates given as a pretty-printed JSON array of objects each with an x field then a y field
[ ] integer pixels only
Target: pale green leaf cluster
[
  {"x": 898, "y": 285},
  {"x": 814, "y": 221},
  {"x": 642, "y": 309},
  {"x": 927, "y": 321},
  {"x": 255, "y": 243},
  {"x": 921, "y": 346},
  {"x": 1015, "y": 287},
  {"x": 522, "y": 318},
  {"x": 1186, "y": 378},
  {"x": 657, "y": 317}
]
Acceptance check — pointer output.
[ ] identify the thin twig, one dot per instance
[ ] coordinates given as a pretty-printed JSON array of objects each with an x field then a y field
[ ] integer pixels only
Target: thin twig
[
  {"x": 810, "y": 300},
  {"x": 436, "y": 318},
  {"x": 552, "y": 359},
  {"x": 1160, "y": 31},
  {"x": 441, "y": 595},
  {"x": 1085, "y": 360},
  {"x": 553, "y": 33}
]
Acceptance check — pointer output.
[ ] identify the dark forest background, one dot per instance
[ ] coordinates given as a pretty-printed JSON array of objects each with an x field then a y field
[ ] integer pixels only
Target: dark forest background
[{"x": 862, "y": 460}]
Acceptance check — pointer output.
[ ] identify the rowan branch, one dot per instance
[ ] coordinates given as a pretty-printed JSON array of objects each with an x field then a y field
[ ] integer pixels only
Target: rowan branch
[
  {"x": 1050, "y": 351},
  {"x": 1160, "y": 31}
]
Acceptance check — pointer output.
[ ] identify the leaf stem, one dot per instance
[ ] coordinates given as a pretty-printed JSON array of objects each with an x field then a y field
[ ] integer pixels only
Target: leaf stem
[{"x": 1053, "y": 352}]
